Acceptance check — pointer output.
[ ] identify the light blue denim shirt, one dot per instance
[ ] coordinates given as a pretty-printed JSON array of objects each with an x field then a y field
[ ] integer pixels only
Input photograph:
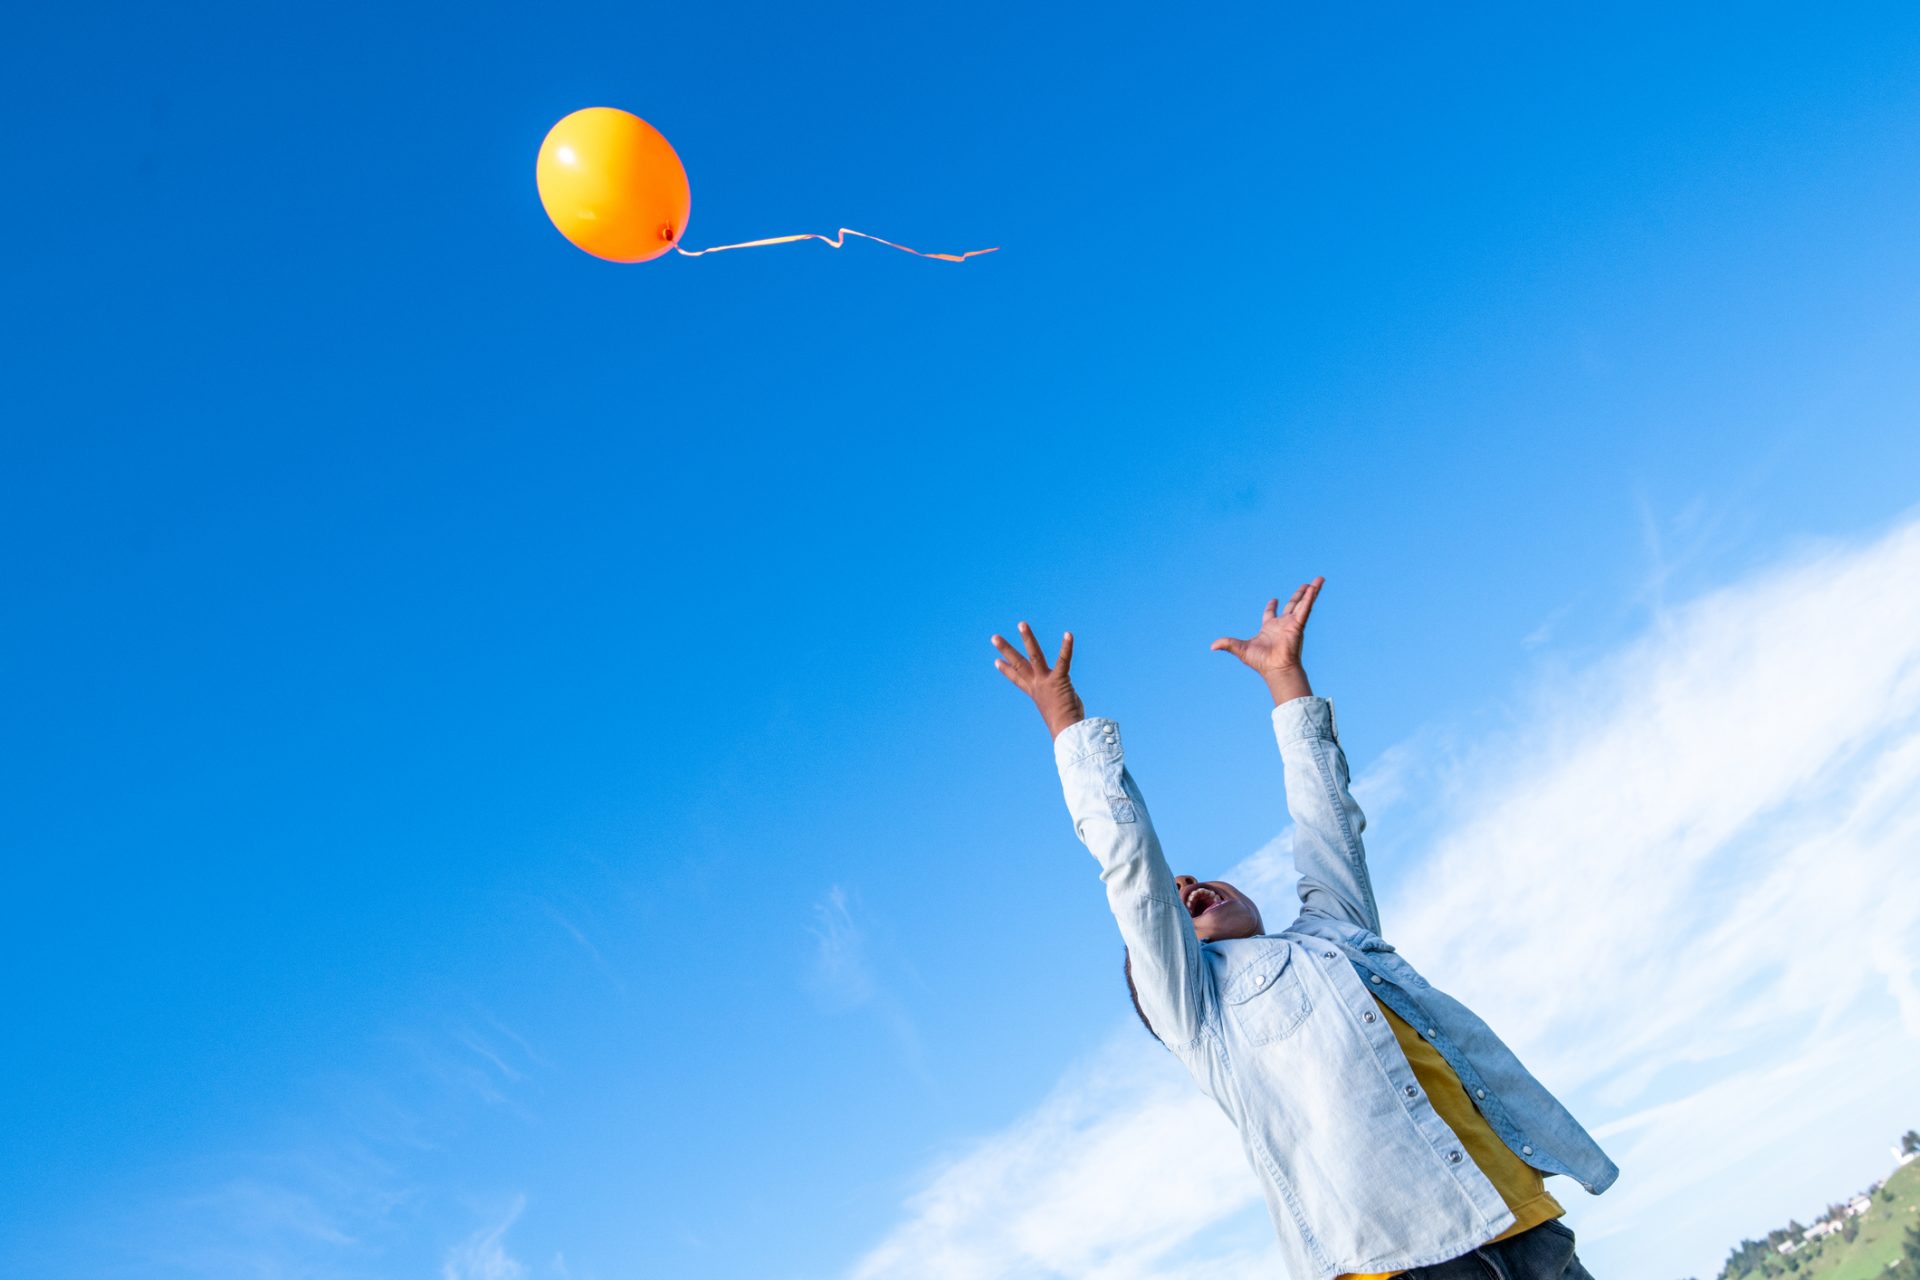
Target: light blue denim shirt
[{"x": 1281, "y": 1030}]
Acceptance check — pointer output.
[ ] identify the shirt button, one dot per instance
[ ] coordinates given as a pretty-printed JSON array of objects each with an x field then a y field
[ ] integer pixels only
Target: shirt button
[
  {"x": 1368, "y": 1015},
  {"x": 1432, "y": 1032},
  {"x": 1526, "y": 1151},
  {"x": 1326, "y": 955},
  {"x": 1479, "y": 1093},
  {"x": 1453, "y": 1157},
  {"x": 1376, "y": 977},
  {"x": 1410, "y": 1091}
]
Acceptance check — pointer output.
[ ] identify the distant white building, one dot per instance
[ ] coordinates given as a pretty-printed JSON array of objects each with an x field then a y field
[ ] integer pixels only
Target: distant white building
[
  {"x": 1904, "y": 1157},
  {"x": 1859, "y": 1205},
  {"x": 1826, "y": 1228}
]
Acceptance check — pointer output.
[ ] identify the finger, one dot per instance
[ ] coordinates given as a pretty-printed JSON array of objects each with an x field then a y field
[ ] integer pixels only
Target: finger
[
  {"x": 1312, "y": 590},
  {"x": 1012, "y": 655},
  {"x": 1266, "y": 614},
  {"x": 1065, "y": 660},
  {"x": 1034, "y": 651},
  {"x": 1004, "y": 669},
  {"x": 1235, "y": 647},
  {"x": 1293, "y": 601}
]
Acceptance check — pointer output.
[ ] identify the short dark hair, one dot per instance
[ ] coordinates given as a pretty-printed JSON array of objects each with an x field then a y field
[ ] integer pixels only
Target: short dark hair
[{"x": 1135, "y": 997}]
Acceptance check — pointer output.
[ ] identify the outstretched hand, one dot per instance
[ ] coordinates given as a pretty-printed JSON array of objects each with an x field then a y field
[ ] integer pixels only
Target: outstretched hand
[
  {"x": 1274, "y": 650},
  {"x": 1050, "y": 687}
]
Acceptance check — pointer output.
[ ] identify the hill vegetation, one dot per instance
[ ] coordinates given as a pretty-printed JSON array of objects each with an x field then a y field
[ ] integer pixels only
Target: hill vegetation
[{"x": 1873, "y": 1236}]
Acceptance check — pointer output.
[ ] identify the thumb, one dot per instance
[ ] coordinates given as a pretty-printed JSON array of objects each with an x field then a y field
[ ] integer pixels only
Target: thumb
[{"x": 1237, "y": 648}]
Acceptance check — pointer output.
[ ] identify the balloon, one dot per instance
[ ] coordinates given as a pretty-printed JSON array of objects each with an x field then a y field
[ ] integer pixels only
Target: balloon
[{"x": 613, "y": 185}]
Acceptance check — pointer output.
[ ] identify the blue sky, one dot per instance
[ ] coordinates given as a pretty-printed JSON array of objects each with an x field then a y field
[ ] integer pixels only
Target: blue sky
[{"x": 506, "y": 774}]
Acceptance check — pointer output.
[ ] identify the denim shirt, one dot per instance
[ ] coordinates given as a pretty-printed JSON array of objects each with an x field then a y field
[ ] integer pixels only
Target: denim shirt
[{"x": 1359, "y": 1171}]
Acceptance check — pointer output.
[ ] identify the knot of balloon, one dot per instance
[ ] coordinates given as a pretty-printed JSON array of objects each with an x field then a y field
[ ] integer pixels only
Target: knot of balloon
[{"x": 615, "y": 187}]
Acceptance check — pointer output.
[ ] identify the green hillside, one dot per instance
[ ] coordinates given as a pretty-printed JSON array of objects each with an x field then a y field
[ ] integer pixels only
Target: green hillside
[{"x": 1874, "y": 1246}]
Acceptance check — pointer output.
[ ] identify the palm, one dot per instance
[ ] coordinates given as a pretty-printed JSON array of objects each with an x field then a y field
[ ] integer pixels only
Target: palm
[{"x": 1277, "y": 644}]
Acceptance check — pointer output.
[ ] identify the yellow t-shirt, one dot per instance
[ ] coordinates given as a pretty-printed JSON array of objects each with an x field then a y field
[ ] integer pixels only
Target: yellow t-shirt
[{"x": 1518, "y": 1182}]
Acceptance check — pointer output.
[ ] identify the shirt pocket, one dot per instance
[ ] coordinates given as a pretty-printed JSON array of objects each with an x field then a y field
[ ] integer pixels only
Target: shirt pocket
[{"x": 1265, "y": 999}]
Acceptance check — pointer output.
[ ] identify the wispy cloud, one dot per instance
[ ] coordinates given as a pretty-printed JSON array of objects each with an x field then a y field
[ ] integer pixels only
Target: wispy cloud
[
  {"x": 1709, "y": 796},
  {"x": 342, "y": 1188},
  {"x": 1682, "y": 885},
  {"x": 483, "y": 1255},
  {"x": 573, "y": 931},
  {"x": 844, "y": 977},
  {"x": 459, "y": 1058},
  {"x": 584, "y": 942},
  {"x": 1123, "y": 1162},
  {"x": 1544, "y": 632},
  {"x": 841, "y": 976},
  {"x": 326, "y": 1207}
]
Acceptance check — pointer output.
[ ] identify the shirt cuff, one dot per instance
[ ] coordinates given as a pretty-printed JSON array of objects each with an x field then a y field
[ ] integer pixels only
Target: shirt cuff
[
  {"x": 1093, "y": 736},
  {"x": 1298, "y": 719}
]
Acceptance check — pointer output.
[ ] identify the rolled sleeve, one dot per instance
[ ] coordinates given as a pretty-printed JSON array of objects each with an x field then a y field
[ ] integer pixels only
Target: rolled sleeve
[
  {"x": 1299, "y": 719},
  {"x": 1092, "y": 767},
  {"x": 1089, "y": 737}
]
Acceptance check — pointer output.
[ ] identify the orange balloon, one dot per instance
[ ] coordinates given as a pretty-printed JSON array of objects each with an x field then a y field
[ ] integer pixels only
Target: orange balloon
[{"x": 613, "y": 185}]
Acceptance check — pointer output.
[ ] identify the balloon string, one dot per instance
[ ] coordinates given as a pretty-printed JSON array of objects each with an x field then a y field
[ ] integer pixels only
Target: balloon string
[{"x": 837, "y": 242}]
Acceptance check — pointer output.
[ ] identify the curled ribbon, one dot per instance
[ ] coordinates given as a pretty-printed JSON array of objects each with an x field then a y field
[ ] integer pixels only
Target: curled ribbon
[{"x": 837, "y": 242}]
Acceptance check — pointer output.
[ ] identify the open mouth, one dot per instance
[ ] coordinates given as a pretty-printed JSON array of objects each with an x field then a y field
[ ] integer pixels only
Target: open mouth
[{"x": 1200, "y": 900}]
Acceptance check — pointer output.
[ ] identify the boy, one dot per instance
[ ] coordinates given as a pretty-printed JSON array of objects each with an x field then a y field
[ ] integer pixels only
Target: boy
[{"x": 1392, "y": 1132}]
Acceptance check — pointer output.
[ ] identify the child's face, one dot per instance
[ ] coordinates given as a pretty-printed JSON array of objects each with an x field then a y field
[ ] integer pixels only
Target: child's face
[{"x": 1218, "y": 909}]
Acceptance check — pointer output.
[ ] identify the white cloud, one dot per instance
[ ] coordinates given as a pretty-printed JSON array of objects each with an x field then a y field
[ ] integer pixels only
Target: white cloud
[
  {"x": 1123, "y": 1161},
  {"x": 842, "y": 978},
  {"x": 1732, "y": 1150},
  {"x": 483, "y": 1255},
  {"x": 1683, "y": 886},
  {"x": 340, "y": 1189}
]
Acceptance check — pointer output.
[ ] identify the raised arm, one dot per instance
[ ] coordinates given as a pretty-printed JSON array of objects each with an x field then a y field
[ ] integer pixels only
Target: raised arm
[
  {"x": 1327, "y": 852},
  {"x": 1110, "y": 818}
]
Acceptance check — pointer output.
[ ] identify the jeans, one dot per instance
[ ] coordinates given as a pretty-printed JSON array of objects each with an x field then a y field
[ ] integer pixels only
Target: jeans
[{"x": 1544, "y": 1252}]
